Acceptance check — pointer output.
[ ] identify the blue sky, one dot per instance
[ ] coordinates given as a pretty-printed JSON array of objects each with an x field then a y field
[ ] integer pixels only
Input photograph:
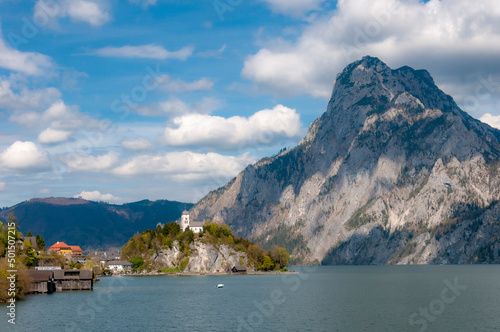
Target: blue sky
[{"x": 160, "y": 99}]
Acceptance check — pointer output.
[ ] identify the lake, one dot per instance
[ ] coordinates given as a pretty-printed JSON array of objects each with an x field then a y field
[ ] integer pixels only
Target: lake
[{"x": 327, "y": 298}]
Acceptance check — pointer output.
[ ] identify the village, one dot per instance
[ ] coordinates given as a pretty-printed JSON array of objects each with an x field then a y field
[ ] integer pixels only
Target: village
[{"x": 64, "y": 267}]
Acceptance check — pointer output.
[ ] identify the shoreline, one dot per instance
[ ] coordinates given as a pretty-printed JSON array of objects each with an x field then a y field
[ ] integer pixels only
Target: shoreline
[{"x": 199, "y": 274}]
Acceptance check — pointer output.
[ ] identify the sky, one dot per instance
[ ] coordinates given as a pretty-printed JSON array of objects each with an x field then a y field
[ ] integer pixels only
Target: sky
[{"x": 120, "y": 101}]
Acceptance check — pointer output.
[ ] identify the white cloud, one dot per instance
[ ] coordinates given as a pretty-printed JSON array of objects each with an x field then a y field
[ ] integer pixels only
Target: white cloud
[
  {"x": 58, "y": 116},
  {"x": 59, "y": 120},
  {"x": 24, "y": 156},
  {"x": 262, "y": 128},
  {"x": 492, "y": 120},
  {"x": 150, "y": 51},
  {"x": 51, "y": 136},
  {"x": 293, "y": 7},
  {"x": 177, "y": 86},
  {"x": 29, "y": 63},
  {"x": 14, "y": 96},
  {"x": 91, "y": 163},
  {"x": 451, "y": 38},
  {"x": 186, "y": 165},
  {"x": 3, "y": 186},
  {"x": 87, "y": 11},
  {"x": 44, "y": 191},
  {"x": 98, "y": 197},
  {"x": 137, "y": 144},
  {"x": 176, "y": 107}
]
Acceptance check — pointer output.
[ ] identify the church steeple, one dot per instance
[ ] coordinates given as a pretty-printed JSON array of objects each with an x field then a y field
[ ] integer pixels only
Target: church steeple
[{"x": 184, "y": 220}]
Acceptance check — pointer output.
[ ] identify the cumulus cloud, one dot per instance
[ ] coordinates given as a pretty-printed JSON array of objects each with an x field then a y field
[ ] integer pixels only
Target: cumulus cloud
[
  {"x": 98, "y": 197},
  {"x": 59, "y": 120},
  {"x": 15, "y": 96},
  {"x": 87, "y": 11},
  {"x": 51, "y": 136},
  {"x": 150, "y": 51},
  {"x": 293, "y": 7},
  {"x": 24, "y": 156},
  {"x": 177, "y": 86},
  {"x": 262, "y": 128},
  {"x": 185, "y": 166},
  {"x": 451, "y": 38},
  {"x": 492, "y": 120},
  {"x": 92, "y": 163},
  {"x": 29, "y": 63},
  {"x": 137, "y": 144},
  {"x": 176, "y": 107}
]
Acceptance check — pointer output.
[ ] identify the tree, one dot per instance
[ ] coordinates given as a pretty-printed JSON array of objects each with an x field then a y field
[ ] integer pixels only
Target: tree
[
  {"x": 280, "y": 255},
  {"x": 30, "y": 255},
  {"x": 138, "y": 262},
  {"x": 40, "y": 242},
  {"x": 29, "y": 234},
  {"x": 267, "y": 264}
]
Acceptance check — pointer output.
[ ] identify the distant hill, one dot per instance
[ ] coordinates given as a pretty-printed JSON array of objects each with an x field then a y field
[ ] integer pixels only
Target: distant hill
[{"x": 91, "y": 225}]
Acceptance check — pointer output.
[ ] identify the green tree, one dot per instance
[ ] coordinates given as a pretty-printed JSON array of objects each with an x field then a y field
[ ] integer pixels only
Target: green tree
[
  {"x": 30, "y": 255},
  {"x": 267, "y": 264},
  {"x": 138, "y": 262},
  {"x": 40, "y": 242},
  {"x": 280, "y": 256},
  {"x": 29, "y": 234}
]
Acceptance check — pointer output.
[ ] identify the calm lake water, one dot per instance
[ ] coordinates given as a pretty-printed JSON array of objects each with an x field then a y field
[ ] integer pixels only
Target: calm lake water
[{"x": 337, "y": 298}]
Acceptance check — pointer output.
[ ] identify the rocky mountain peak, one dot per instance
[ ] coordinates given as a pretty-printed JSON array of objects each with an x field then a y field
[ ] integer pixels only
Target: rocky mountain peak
[{"x": 392, "y": 159}]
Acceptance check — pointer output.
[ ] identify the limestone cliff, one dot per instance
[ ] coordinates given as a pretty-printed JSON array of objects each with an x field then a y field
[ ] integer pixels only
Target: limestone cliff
[
  {"x": 203, "y": 257},
  {"x": 393, "y": 172}
]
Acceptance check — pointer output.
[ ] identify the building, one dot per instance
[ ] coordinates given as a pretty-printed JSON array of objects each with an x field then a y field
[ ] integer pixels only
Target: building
[
  {"x": 64, "y": 249},
  {"x": 71, "y": 280},
  {"x": 61, "y": 248},
  {"x": 76, "y": 250},
  {"x": 195, "y": 226},
  {"x": 30, "y": 239},
  {"x": 239, "y": 269},
  {"x": 120, "y": 266},
  {"x": 41, "y": 282}
]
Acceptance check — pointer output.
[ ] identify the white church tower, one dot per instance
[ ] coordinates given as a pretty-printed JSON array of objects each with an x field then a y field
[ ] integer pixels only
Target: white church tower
[
  {"x": 184, "y": 220},
  {"x": 195, "y": 226}
]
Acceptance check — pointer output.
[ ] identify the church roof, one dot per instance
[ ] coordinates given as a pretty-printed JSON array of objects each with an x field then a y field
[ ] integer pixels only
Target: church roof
[
  {"x": 184, "y": 213},
  {"x": 196, "y": 224}
]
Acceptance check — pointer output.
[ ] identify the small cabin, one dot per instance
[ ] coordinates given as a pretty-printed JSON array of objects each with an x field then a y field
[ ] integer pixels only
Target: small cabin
[
  {"x": 41, "y": 282},
  {"x": 72, "y": 280},
  {"x": 239, "y": 269}
]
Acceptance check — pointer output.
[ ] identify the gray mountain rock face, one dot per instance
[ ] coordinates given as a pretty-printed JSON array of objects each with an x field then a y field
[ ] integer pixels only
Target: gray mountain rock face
[{"x": 392, "y": 172}]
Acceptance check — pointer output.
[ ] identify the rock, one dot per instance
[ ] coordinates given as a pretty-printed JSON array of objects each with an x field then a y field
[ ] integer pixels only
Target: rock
[{"x": 393, "y": 172}]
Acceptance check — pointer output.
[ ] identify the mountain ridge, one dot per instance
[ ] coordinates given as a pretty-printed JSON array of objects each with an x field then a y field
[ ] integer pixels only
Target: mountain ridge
[
  {"x": 391, "y": 152},
  {"x": 92, "y": 225}
]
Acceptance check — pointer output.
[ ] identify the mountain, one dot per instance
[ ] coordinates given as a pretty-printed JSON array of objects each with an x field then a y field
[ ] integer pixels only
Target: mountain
[
  {"x": 91, "y": 225},
  {"x": 393, "y": 172}
]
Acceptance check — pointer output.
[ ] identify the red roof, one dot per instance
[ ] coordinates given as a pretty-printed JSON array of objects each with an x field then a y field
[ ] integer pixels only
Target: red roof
[
  {"x": 58, "y": 246},
  {"x": 75, "y": 248}
]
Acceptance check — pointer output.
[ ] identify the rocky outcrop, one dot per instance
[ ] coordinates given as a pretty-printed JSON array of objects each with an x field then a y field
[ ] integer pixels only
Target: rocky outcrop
[
  {"x": 393, "y": 172},
  {"x": 202, "y": 257}
]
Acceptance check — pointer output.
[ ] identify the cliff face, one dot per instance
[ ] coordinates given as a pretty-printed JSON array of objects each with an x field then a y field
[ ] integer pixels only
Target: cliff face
[
  {"x": 392, "y": 172},
  {"x": 204, "y": 258}
]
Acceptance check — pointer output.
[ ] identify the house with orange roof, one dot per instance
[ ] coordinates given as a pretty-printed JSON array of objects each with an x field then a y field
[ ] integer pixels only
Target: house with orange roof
[
  {"x": 76, "y": 250},
  {"x": 63, "y": 248}
]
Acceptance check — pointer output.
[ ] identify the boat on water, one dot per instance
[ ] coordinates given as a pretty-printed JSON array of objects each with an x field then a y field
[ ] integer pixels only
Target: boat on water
[{"x": 220, "y": 285}]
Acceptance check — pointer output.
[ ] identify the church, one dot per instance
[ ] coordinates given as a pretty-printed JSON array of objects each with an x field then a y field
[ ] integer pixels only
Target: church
[{"x": 195, "y": 226}]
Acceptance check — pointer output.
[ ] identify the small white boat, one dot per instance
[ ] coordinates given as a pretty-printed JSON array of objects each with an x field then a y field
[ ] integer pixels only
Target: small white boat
[{"x": 220, "y": 285}]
